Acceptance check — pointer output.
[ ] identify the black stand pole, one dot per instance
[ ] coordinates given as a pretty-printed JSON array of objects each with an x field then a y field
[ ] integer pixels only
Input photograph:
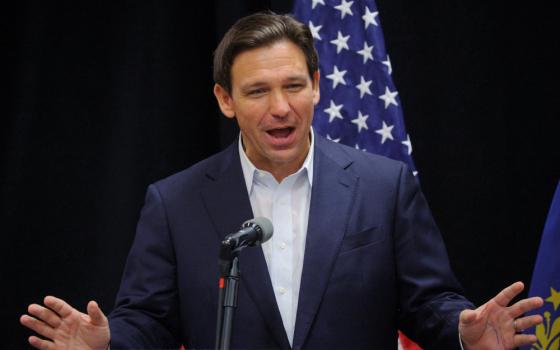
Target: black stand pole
[
  {"x": 227, "y": 298},
  {"x": 220, "y": 318},
  {"x": 230, "y": 303}
]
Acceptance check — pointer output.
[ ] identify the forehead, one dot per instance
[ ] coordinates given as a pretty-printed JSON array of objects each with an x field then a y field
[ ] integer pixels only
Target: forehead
[{"x": 278, "y": 60}]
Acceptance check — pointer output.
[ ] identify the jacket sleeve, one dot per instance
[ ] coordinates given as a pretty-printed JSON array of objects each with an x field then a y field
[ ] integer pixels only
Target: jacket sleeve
[
  {"x": 146, "y": 309},
  {"x": 430, "y": 296}
]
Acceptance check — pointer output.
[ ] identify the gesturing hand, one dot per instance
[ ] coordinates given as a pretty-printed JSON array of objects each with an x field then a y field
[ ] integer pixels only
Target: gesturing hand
[
  {"x": 495, "y": 325},
  {"x": 64, "y": 327}
]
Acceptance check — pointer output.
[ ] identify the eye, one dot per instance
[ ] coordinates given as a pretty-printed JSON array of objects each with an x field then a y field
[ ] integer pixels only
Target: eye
[
  {"x": 256, "y": 91},
  {"x": 295, "y": 86}
]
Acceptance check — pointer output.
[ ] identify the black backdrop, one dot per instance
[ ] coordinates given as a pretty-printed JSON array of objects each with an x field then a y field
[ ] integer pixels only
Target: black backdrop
[{"x": 105, "y": 99}]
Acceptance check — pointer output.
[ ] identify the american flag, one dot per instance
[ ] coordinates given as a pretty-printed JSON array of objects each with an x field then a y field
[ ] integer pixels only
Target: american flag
[{"x": 360, "y": 105}]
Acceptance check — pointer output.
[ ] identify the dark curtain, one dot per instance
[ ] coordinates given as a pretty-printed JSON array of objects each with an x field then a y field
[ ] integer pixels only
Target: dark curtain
[{"x": 104, "y": 99}]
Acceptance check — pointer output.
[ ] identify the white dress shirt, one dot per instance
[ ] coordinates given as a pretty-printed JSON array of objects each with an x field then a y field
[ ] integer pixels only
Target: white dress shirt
[{"x": 286, "y": 205}]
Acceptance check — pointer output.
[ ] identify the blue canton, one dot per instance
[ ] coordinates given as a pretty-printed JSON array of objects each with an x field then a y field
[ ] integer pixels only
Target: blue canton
[{"x": 360, "y": 105}]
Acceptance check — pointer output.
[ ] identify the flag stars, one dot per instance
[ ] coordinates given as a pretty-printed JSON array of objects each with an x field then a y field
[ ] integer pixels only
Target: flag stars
[
  {"x": 388, "y": 64},
  {"x": 315, "y": 2},
  {"x": 360, "y": 121},
  {"x": 389, "y": 97},
  {"x": 369, "y": 18},
  {"x": 385, "y": 132},
  {"x": 315, "y": 30},
  {"x": 344, "y": 8},
  {"x": 366, "y": 52},
  {"x": 334, "y": 111},
  {"x": 408, "y": 144},
  {"x": 363, "y": 86},
  {"x": 341, "y": 42},
  {"x": 377, "y": 129},
  {"x": 337, "y": 77}
]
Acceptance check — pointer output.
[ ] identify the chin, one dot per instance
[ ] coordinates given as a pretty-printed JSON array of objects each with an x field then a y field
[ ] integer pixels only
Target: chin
[{"x": 284, "y": 157}]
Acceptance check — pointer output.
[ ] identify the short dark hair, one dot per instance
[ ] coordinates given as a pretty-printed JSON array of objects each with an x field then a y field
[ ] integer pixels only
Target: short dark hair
[{"x": 258, "y": 30}]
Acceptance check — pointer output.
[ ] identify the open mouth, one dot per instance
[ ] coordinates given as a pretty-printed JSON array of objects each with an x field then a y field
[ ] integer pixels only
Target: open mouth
[
  {"x": 281, "y": 137},
  {"x": 280, "y": 133}
]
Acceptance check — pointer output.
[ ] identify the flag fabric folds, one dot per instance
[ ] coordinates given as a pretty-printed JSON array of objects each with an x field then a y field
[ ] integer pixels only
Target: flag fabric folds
[
  {"x": 546, "y": 281},
  {"x": 360, "y": 105}
]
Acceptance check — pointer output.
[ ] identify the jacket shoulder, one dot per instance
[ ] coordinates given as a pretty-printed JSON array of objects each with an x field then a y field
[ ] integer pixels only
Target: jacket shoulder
[{"x": 363, "y": 164}]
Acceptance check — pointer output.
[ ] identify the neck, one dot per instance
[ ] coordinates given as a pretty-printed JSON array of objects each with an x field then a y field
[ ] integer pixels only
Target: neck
[{"x": 280, "y": 170}]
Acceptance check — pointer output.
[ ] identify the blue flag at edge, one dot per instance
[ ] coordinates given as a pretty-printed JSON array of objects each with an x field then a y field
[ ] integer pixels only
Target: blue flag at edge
[{"x": 546, "y": 280}]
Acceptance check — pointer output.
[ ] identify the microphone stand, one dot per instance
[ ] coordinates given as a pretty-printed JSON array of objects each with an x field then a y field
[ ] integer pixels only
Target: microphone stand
[
  {"x": 227, "y": 298},
  {"x": 251, "y": 234}
]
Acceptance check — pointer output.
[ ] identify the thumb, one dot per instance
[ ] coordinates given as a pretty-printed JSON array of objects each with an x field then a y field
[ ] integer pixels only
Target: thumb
[
  {"x": 467, "y": 316},
  {"x": 97, "y": 316}
]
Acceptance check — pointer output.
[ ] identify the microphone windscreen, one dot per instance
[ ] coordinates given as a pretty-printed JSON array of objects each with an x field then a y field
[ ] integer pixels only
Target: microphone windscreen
[{"x": 266, "y": 227}]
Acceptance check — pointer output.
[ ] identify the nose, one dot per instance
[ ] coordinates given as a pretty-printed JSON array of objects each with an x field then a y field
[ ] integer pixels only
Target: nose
[{"x": 279, "y": 104}]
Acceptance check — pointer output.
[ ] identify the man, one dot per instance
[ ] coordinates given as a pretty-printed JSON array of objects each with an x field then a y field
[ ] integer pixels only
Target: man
[{"x": 354, "y": 257}]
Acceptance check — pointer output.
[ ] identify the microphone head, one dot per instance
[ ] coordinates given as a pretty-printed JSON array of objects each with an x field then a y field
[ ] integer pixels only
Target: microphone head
[{"x": 265, "y": 226}]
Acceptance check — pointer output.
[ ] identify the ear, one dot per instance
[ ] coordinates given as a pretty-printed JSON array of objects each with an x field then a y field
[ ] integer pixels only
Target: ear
[
  {"x": 316, "y": 90},
  {"x": 224, "y": 100}
]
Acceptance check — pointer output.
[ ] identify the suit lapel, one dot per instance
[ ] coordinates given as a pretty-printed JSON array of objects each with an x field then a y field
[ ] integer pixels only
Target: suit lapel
[
  {"x": 226, "y": 199},
  {"x": 331, "y": 199}
]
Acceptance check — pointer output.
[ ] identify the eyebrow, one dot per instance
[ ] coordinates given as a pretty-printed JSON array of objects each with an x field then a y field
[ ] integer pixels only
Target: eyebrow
[
  {"x": 258, "y": 83},
  {"x": 297, "y": 78}
]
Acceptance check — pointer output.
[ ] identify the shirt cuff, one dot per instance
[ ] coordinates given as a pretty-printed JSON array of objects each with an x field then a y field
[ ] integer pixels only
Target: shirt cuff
[{"x": 460, "y": 340}]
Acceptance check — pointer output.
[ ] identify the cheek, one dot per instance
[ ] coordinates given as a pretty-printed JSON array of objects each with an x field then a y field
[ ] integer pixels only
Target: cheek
[
  {"x": 304, "y": 108},
  {"x": 250, "y": 114}
]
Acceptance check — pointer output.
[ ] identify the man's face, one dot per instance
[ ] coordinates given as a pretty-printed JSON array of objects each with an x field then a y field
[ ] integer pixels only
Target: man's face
[{"x": 272, "y": 97}]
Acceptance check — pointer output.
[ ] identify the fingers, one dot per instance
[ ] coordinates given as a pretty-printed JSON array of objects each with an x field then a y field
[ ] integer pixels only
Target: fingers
[
  {"x": 467, "y": 316},
  {"x": 525, "y": 305},
  {"x": 37, "y": 326},
  {"x": 524, "y": 339},
  {"x": 97, "y": 316},
  {"x": 43, "y": 322},
  {"x": 41, "y": 344},
  {"x": 506, "y": 295},
  {"x": 58, "y": 305},
  {"x": 527, "y": 322},
  {"x": 45, "y": 315}
]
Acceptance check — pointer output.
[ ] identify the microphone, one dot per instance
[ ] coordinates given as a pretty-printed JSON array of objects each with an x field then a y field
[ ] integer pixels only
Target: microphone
[{"x": 253, "y": 232}]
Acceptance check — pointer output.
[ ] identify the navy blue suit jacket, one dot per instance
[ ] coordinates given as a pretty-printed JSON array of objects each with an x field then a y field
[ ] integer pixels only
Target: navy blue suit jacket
[{"x": 374, "y": 262}]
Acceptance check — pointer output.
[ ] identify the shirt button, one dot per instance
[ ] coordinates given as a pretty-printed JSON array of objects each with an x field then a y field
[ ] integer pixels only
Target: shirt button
[
  {"x": 281, "y": 290},
  {"x": 282, "y": 245}
]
